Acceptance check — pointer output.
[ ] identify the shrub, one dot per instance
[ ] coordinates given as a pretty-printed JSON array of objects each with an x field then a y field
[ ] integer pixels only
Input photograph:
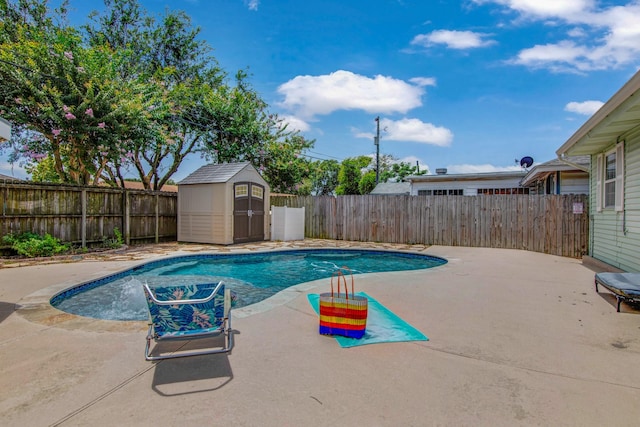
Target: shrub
[
  {"x": 33, "y": 245},
  {"x": 114, "y": 242}
]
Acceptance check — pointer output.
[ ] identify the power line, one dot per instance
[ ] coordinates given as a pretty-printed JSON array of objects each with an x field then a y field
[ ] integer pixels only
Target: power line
[
  {"x": 326, "y": 155},
  {"x": 315, "y": 158}
]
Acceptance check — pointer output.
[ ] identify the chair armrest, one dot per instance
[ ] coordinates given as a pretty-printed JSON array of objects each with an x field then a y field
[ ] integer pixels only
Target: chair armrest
[
  {"x": 186, "y": 301},
  {"x": 227, "y": 301}
]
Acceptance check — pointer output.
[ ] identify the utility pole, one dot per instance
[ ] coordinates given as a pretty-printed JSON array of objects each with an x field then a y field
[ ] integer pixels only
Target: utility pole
[{"x": 376, "y": 141}]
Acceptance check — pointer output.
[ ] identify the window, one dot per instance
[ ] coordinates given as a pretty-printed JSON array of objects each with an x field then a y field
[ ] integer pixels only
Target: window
[
  {"x": 610, "y": 179},
  {"x": 440, "y": 192},
  {"x": 490, "y": 191},
  {"x": 242, "y": 190},
  {"x": 257, "y": 192}
]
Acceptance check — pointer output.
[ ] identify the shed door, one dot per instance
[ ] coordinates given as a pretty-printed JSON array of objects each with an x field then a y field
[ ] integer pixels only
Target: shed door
[{"x": 248, "y": 212}]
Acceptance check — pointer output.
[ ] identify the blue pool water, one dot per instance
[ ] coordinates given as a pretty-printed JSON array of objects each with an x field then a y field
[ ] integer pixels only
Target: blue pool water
[{"x": 252, "y": 277}]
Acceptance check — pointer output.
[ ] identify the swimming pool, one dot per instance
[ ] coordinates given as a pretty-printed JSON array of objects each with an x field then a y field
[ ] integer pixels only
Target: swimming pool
[{"x": 252, "y": 277}]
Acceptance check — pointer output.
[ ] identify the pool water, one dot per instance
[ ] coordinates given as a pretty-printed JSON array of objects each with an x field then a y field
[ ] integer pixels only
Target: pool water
[{"x": 251, "y": 277}]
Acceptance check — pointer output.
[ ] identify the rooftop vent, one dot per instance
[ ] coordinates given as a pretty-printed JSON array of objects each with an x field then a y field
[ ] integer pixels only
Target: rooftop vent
[{"x": 441, "y": 171}]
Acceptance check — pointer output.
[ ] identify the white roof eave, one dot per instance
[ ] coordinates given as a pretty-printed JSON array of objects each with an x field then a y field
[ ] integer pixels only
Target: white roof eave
[{"x": 610, "y": 123}]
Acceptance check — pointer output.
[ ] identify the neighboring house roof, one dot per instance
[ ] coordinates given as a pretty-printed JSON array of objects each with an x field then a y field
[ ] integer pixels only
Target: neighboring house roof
[
  {"x": 618, "y": 115},
  {"x": 490, "y": 176},
  {"x": 8, "y": 178},
  {"x": 570, "y": 163},
  {"x": 137, "y": 185},
  {"x": 214, "y": 174},
  {"x": 392, "y": 188}
]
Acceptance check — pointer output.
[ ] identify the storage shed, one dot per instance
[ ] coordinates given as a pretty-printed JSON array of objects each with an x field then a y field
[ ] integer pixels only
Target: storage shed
[{"x": 223, "y": 204}]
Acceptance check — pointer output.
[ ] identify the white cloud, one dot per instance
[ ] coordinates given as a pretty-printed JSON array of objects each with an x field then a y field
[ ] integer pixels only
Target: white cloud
[
  {"x": 294, "y": 123},
  {"x": 309, "y": 96},
  {"x": 252, "y": 4},
  {"x": 577, "y": 33},
  {"x": 613, "y": 34},
  {"x": 544, "y": 8},
  {"x": 410, "y": 130},
  {"x": 587, "y": 108},
  {"x": 485, "y": 168},
  {"x": 453, "y": 39},
  {"x": 415, "y": 130},
  {"x": 555, "y": 56},
  {"x": 423, "y": 81}
]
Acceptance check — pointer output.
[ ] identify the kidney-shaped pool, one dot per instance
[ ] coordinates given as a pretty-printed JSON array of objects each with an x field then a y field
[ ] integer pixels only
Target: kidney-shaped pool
[{"x": 252, "y": 277}]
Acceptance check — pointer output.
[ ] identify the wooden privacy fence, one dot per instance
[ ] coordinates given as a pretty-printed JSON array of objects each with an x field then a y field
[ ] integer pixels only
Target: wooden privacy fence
[
  {"x": 86, "y": 215},
  {"x": 555, "y": 225},
  {"x": 552, "y": 224}
]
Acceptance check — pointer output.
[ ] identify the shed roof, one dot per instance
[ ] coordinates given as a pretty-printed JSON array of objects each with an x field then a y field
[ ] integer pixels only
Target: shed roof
[{"x": 215, "y": 173}]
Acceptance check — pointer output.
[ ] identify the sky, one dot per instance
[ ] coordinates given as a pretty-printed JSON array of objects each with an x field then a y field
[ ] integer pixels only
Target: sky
[{"x": 471, "y": 86}]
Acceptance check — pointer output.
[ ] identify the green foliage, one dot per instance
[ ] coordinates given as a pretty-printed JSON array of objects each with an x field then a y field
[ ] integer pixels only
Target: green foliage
[
  {"x": 127, "y": 93},
  {"x": 284, "y": 168},
  {"x": 397, "y": 172},
  {"x": 43, "y": 171},
  {"x": 350, "y": 175},
  {"x": 32, "y": 245},
  {"x": 116, "y": 241},
  {"x": 367, "y": 182},
  {"x": 324, "y": 177}
]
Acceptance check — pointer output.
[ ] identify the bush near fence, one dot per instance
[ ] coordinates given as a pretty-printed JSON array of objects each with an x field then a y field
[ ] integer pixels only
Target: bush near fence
[
  {"x": 87, "y": 215},
  {"x": 552, "y": 224}
]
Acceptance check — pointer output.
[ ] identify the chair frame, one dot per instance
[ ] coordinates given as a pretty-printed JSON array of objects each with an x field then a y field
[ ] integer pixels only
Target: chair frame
[
  {"x": 223, "y": 329},
  {"x": 629, "y": 292}
]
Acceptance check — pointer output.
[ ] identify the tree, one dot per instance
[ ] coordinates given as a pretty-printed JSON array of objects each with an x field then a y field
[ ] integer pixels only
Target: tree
[
  {"x": 182, "y": 76},
  {"x": 367, "y": 182},
  {"x": 284, "y": 168},
  {"x": 324, "y": 177},
  {"x": 397, "y": 172},
  {"x": 63, "y": 98},
  {"x": 350, "y": 175},
  {"x": 132, "y": 93}
]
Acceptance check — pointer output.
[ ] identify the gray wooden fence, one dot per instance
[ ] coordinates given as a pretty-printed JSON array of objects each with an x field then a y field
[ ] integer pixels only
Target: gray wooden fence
[
  {"x": 87, "y": 215},
  {"x": 557, "y": 224}
]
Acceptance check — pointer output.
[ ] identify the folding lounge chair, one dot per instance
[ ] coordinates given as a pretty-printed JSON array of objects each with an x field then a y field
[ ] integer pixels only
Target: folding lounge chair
[
  {"x": 188, "y": 312},
  {"x": 625, "y": 286}
]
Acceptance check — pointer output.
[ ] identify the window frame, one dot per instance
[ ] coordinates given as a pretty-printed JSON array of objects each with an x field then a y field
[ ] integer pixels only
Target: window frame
[{"x": 602, "y": 182}]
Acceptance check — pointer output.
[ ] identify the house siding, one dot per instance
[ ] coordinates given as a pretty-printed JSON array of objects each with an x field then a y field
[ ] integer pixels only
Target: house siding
[
  {"x": 469, "y": 187},
  {"x": 615, "y": 236},
  {"x": 574, "y": 183}
]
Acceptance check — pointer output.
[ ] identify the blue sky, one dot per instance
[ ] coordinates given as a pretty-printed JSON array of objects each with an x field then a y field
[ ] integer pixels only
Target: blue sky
[{"x": 467, "y": 85}]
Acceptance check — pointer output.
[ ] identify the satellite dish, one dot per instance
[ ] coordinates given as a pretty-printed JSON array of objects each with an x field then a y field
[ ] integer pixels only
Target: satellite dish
[{"x": 526, "y": 162}]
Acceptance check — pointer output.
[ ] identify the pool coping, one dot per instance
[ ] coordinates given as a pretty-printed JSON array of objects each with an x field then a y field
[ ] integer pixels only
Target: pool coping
[{"x": 36, "y": 307}]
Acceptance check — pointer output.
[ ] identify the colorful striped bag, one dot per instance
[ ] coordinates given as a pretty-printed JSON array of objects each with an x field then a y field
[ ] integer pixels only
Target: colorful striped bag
[{"x": 345, "y": 313}]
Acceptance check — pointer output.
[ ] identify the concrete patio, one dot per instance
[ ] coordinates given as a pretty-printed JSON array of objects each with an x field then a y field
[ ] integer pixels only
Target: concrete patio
[{"x": 516, "y": 339}]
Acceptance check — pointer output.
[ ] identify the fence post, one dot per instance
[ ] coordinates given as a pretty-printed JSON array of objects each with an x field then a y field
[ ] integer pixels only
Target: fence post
[
  {"x": 126, "y": 218},
  {"x": 83, "y": 226},
  {"x": 157, "y": 218}
]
